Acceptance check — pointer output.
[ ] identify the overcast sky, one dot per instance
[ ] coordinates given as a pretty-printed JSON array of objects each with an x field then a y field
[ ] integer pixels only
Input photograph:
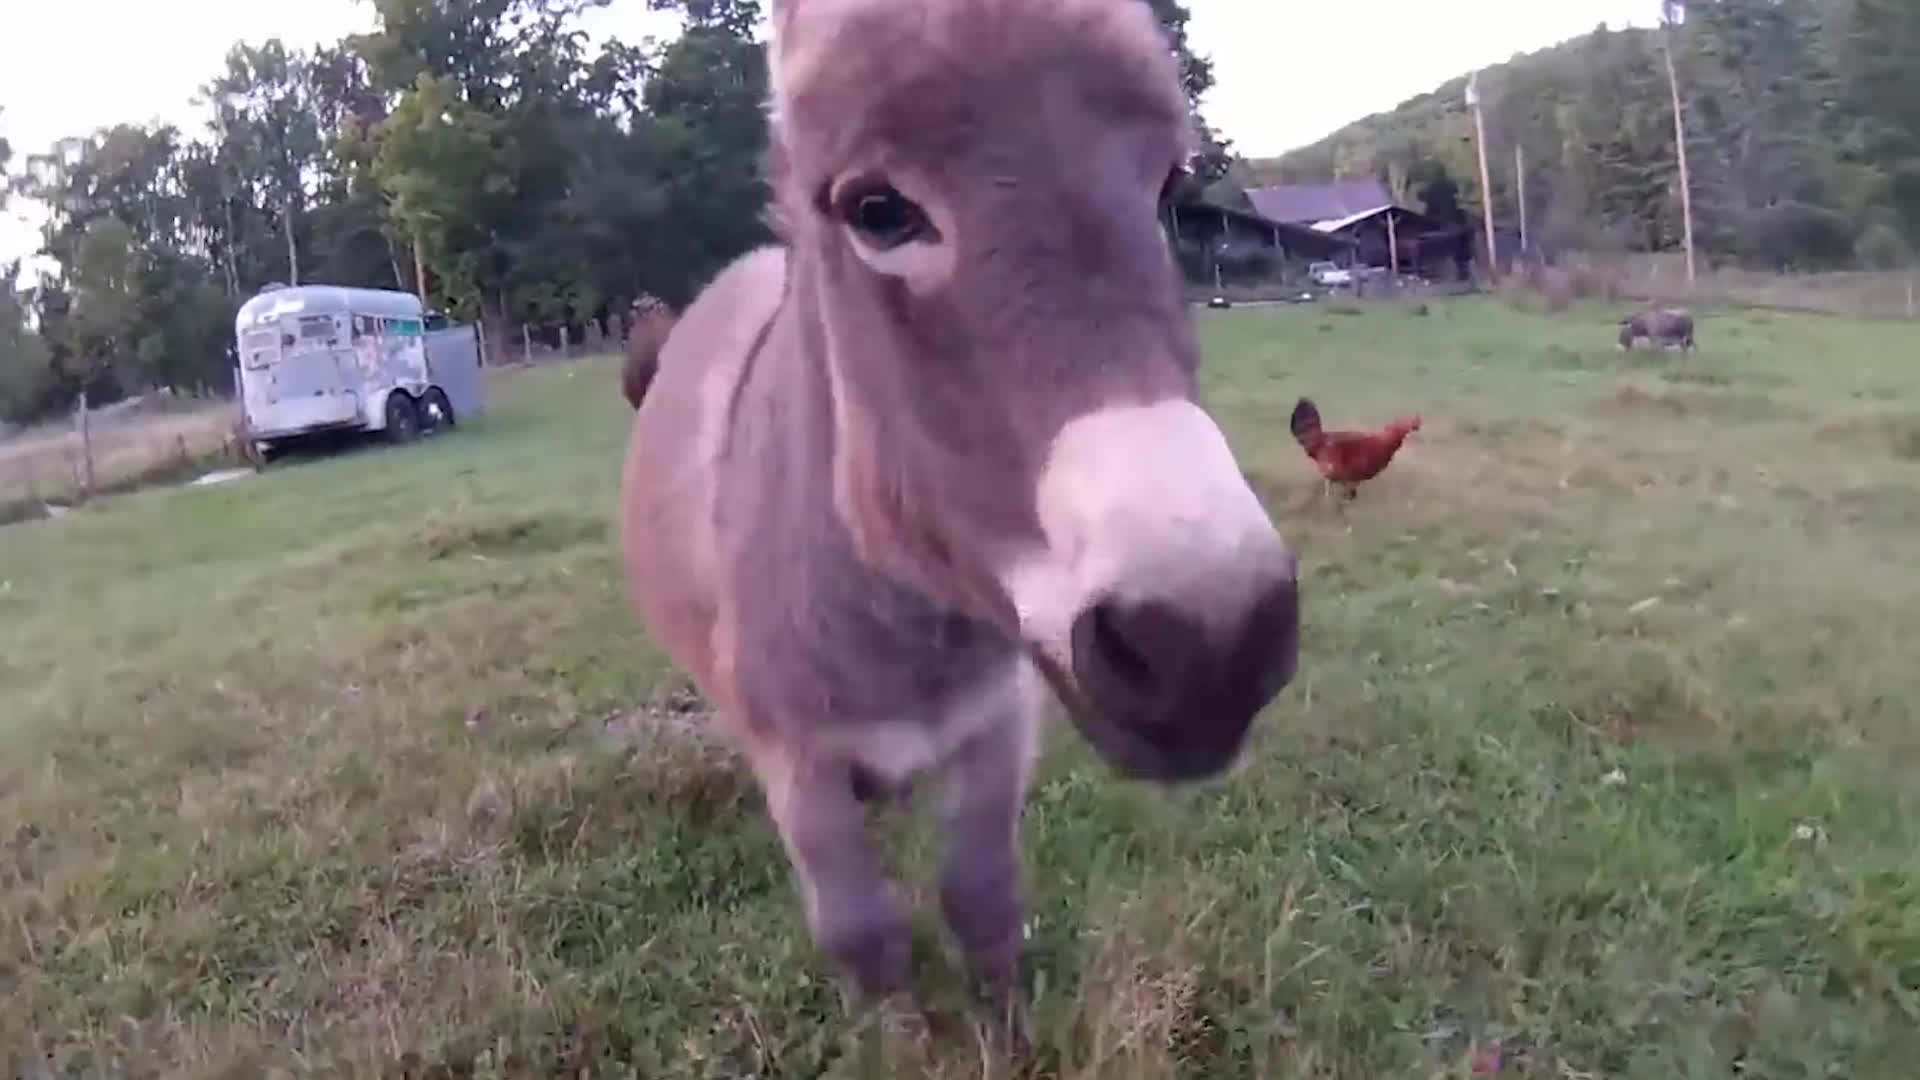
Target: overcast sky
[{"x": 1289, "y": 71}]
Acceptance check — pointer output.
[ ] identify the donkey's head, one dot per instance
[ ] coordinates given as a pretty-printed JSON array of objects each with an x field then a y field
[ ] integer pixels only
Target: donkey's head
[
  {"x": 1631, "y": 327},
  {"x": 973, "y": 192}
]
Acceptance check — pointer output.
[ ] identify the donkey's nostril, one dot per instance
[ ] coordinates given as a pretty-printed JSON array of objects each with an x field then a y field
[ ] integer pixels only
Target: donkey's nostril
[
  {"x": 1129, "y": 655},
  {"x": 1169, "y": 693},
  {"x": 1119, "y": 655}
]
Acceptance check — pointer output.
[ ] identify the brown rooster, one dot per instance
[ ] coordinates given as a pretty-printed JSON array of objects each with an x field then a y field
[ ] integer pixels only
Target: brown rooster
[{"x": 1349, "y": 458}]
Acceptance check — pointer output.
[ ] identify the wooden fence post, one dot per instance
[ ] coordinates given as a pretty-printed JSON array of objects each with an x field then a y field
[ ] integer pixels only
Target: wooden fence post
[{"x": 86, "y": 448}]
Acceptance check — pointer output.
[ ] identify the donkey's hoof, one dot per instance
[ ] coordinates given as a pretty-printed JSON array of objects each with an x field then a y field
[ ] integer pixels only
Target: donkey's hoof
[
  {"x": 896, "y": 1015},
  {"x": 894, "y": 1037},
  {"x": 1005, "y": 1030}
]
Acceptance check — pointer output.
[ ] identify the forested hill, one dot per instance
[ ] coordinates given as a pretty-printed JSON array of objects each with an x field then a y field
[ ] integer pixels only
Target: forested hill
[{"x": 1803, "y": 122}]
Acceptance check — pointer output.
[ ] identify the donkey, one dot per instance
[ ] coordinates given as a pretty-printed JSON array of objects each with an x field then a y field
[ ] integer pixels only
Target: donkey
[
  {"x": 650, "y": 321},
  {"x": 1668, "y": 326},
  {"x": 938, "y": 452}
]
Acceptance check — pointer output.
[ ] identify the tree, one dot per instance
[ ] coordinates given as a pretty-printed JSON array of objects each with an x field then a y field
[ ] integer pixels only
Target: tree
[
  {"x": 444, "y": 164},
  {"x": 709, "y": 132},
  {"x": 263, "y": 113},
  {"x": 737, "y": 18},
  {"x": 102, "y": 302},
  {"x": 26, "y": 379},
  {"x": 6, "y": 186},
  {"x": 1196, "y": 77},
  {"x": 1877, "y": 43}
]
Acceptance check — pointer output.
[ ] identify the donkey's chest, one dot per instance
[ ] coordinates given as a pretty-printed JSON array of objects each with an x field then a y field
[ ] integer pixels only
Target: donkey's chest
[{"x": 888, "y": 753}]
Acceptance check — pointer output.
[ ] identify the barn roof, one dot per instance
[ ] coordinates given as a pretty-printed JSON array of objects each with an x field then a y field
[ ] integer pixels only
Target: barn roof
[
  {"x": 1336, "y": 224},
  {"x": 1298, "y": 237},
  {"x": 1308, "y": 203}
]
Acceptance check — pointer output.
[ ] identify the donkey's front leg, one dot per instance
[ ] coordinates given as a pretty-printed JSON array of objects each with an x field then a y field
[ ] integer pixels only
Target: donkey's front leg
[
  {"x": 854, "y": 912},
  {"x": 983, "y": 788}
]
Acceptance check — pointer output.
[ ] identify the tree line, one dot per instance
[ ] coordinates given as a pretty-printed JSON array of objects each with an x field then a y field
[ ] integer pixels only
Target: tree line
[
  {"x": 1802, "y": 126},
  {"x": 479, "y": 151}
]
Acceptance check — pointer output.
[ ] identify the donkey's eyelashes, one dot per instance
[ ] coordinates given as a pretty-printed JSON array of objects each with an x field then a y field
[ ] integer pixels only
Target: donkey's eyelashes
[{"x": 884, "y": 218}]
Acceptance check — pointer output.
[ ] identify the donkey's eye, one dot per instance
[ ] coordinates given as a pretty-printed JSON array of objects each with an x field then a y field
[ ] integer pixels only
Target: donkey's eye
[{"x": 884, "y": 217}]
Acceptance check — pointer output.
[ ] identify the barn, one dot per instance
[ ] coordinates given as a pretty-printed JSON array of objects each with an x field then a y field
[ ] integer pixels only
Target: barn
[
  {"x": 1375, "y": 230},
  {"x": 1223, "y": 244}
]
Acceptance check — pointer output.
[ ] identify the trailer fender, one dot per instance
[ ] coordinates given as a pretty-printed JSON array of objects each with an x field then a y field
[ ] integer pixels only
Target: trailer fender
[{"x": 376, "y": 410}]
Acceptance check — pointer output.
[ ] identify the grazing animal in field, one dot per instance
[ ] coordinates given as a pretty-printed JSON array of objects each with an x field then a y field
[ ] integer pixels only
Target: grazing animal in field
[
  {"x": 1668, "y": 326},
  {"x": 650, "y": 321},
  {"x": 939, "y": 452},
  {"x": 1348, "y": 458}
]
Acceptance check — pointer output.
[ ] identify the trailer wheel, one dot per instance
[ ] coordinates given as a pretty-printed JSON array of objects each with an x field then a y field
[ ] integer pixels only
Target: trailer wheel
[
  {"x": 403, "y": 418},
  {"x": 436, "y": 412}
]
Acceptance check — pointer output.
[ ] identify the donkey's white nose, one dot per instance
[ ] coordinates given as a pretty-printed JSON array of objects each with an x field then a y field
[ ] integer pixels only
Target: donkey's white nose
[{"x": 1164, "y": 598}]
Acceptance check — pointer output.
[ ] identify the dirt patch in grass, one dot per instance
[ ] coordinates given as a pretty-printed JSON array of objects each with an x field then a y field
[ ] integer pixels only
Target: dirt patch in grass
[
  {"x": 1654, "y": 696},
  {"x": 1502, "y": 432},
  {"x": 1141, "y": 1011},
  {"x": 1896, "y": 433},
  {"x": 1592, "y": 358},
  {"x": 1721, "y": 377},
  {"x": 504, "y": 535},
  {"x": 1682, "y": 402},
  {"x": 1879, "y": 506}
]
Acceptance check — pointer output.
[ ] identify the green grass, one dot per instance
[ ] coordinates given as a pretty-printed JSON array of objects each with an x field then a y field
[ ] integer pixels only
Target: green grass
[{"x": 324, "y": 773}]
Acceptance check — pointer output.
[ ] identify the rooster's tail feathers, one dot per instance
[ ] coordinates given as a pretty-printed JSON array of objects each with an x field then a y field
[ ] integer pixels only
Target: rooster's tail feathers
[{"x": 1305, "y": 422}]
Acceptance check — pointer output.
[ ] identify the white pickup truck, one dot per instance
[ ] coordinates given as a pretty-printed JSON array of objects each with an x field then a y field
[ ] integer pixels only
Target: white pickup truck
[{"x": 1329, "y": 275}]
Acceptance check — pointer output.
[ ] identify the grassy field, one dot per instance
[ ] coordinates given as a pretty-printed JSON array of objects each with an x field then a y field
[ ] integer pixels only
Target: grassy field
[{"x": 1600, "y": 762}]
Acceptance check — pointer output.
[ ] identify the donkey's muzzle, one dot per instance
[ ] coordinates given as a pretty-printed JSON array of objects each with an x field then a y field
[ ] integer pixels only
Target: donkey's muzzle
[{"x": 1172, "y": 693}]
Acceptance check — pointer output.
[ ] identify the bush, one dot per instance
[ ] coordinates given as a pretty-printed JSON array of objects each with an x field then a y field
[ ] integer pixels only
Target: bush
[
  {"x": 1798, "y": 236},
  {"x": 28, "y": 385},
  {"x": 1882, "y": 247},
  {"x": 1558, "y": 286}
]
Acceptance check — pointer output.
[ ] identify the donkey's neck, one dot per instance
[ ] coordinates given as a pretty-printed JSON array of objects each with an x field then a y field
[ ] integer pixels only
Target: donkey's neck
[{"x": 826, "y": 633}]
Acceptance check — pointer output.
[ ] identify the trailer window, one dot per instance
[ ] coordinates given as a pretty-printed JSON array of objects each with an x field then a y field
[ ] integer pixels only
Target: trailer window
[
  {"x": 317, "y": 328},
  {"x": 259, "y": 348}
]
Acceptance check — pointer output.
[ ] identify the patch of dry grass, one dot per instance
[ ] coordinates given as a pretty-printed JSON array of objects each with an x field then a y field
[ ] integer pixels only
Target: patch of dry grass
[
  {"x": 1879, "y": 294},
  {"x": 47, "y": 463}
]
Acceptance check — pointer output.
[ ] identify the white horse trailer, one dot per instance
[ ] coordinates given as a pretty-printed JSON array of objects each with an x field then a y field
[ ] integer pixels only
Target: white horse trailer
[{"x": 318, "y": 358}]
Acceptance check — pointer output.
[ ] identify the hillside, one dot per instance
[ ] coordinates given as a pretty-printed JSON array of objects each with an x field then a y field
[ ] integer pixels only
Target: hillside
[{"x": 1802, "y": 136}]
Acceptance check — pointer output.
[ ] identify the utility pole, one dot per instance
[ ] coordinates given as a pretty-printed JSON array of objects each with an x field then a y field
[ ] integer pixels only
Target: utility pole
[
  {"x": 1520, "y": 181},
  {"x": 1486, "y": 182},
  {"x": 1672, "y": 13}
]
